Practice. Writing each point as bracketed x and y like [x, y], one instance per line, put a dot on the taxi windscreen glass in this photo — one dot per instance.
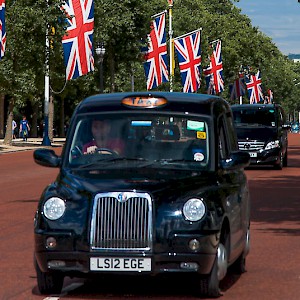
[135, 141]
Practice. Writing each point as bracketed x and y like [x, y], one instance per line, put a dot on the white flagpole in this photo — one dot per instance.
[46, 140]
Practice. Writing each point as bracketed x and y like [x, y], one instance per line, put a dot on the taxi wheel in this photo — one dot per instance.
[48, 283]
[209, 285]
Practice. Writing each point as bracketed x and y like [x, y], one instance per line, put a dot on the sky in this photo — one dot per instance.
[278, 19]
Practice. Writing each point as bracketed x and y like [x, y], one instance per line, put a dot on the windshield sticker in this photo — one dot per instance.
[198, 156]
[195, 125]
[273, 124]
[201, 135]
[271, 110]
[141, 123]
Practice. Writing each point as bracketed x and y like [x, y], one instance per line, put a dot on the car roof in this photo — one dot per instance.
[198, 103]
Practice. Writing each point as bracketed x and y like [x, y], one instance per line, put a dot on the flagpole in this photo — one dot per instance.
[46, 140]
[171, 50]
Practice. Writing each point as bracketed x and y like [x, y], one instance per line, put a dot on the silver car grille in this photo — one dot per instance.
[121, 221]
[251, 145]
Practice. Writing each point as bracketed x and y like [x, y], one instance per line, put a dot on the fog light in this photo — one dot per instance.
[51, 242]
[194, 244]
[189, 266]
[54, 264]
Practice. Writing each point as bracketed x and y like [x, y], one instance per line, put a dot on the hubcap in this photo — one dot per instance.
[222, 261]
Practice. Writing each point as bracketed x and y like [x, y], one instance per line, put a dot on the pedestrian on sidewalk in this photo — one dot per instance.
[24, 128]
[13, 128]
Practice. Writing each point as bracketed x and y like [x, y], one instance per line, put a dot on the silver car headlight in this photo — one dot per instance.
[194, 209]
[272, 145]
[54, 208]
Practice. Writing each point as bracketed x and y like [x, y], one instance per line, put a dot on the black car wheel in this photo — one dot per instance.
[285, 159]
[279, 166]
[48, 283]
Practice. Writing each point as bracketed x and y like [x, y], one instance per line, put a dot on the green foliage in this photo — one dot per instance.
[121, 25]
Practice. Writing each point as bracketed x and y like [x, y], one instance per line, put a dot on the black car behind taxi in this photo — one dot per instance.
[172, 198]
[262, 131]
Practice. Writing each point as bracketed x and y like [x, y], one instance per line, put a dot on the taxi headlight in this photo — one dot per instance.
[272, 145]
[194, 209]
[54, 208]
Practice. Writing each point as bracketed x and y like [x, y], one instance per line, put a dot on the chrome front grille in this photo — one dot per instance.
[122, 221]
[251, 145]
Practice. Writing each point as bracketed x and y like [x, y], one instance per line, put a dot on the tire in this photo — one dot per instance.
[285, 159]
[279, 165]
[48, 283]
[239, 266]
[209, 285]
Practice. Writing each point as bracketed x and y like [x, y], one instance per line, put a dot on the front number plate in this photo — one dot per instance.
[253, 154]
[120, 264]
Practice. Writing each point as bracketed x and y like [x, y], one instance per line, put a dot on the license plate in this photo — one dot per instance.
[138, 264]
[253, 154]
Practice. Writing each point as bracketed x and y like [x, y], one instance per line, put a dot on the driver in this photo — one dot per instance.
[102, 141]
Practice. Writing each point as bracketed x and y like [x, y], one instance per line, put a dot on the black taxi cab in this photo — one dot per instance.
[149, 183]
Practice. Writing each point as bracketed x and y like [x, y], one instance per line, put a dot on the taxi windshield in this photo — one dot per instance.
[137, 141]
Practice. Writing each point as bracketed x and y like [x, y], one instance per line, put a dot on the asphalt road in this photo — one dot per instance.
[272, 266]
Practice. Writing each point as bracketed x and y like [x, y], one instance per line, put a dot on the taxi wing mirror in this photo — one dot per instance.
[236, 160]
[46, 158]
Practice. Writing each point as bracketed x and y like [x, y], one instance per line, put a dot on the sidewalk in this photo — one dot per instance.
[31, 143]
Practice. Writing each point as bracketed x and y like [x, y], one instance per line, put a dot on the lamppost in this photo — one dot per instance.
[100, 51]
[46, 140]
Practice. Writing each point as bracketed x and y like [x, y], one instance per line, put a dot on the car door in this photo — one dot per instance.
[234, 184]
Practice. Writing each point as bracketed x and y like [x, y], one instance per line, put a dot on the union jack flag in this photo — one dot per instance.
[189, 56]
[78, 40]
[238, 88]
[155, 65]
[254, 88]
[214, 72]
[270, 96]
[2, 28]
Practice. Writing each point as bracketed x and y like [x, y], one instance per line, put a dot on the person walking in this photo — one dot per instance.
[24, 128]
[13, 129]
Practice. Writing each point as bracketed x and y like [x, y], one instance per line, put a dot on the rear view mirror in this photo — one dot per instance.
[167, 132]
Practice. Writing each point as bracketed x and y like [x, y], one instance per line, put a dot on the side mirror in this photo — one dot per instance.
[46, 158]
[236, 160]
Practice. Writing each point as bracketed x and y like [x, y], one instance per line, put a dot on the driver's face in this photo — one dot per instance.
[100, 128]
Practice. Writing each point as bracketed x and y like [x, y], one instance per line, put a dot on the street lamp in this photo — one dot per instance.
[100, 51]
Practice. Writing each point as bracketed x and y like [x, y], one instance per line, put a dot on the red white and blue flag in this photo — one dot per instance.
[270, 96]
[78, 40]
[188, 49]
[238, 88]
[253, 83]
[155, 65]
[2, 28]
[214, 72]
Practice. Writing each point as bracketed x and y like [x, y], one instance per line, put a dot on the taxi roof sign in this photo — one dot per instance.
[144, 101]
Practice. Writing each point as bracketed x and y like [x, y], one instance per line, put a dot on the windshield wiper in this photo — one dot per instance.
[109, 160]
